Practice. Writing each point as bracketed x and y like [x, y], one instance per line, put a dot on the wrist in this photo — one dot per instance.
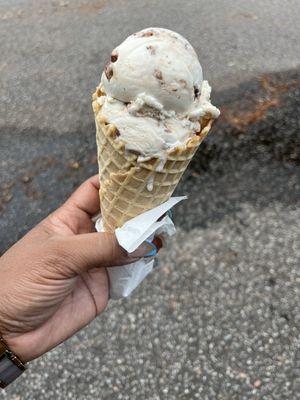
[14, 340]
[15, 346]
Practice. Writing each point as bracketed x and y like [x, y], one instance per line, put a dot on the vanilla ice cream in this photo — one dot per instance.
[153, 92]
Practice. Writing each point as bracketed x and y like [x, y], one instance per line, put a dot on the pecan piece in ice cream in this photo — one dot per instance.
[108, 71]
[113, 57]
[158, 74]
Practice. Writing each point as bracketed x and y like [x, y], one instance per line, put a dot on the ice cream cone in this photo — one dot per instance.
[129, 187]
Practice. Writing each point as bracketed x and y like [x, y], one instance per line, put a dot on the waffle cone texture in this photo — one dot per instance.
[124, 182]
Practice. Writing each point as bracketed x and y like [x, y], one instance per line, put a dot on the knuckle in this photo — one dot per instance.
[113, 250]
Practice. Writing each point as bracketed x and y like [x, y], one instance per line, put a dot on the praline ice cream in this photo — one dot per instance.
[153, 92]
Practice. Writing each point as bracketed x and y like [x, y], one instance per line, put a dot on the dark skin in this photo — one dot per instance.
[54, 280]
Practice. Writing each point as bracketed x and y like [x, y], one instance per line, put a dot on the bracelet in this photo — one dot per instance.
[11, 367]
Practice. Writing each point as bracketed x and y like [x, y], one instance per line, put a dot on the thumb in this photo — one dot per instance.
[91, 250]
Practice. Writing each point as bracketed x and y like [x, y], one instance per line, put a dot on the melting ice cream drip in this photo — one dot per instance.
[159, 168]
[150, 183]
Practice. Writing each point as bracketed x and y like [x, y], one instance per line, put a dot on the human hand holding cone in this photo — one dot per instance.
[137, 176]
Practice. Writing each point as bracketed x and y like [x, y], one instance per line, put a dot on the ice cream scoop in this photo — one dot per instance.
[153, 92]
[156, 63]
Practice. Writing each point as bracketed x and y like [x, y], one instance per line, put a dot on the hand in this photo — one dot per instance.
[52, 281]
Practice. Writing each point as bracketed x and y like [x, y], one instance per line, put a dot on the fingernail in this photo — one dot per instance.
[158, 242]
[146, 249]
[153, 251]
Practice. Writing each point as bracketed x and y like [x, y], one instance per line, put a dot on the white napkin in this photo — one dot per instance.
[123, 280]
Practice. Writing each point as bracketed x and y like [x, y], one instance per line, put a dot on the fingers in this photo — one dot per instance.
[86, 251]
[86, 197]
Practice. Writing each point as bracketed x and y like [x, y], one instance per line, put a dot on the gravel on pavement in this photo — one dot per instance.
[220, 317]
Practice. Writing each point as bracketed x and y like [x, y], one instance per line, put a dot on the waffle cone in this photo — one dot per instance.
[125, 183]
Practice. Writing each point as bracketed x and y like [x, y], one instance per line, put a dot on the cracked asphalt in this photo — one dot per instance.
[220, 318]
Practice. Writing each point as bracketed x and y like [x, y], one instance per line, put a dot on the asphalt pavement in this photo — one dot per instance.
[219, 319]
